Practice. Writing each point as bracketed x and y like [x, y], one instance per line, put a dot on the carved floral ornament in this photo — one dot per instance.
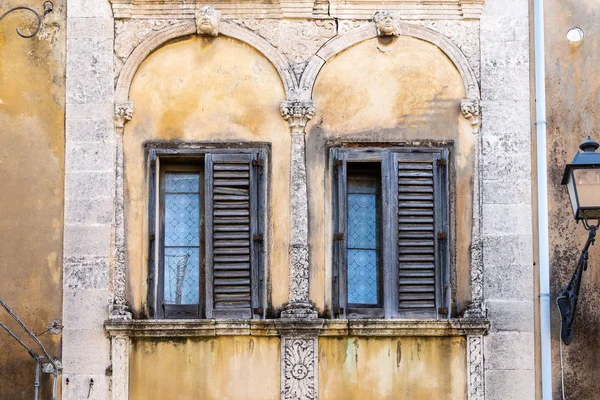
[471, 110]
[298, 375]
[123, 113]
[297, 113]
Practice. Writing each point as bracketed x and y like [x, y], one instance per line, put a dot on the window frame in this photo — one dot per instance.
[158, 158]
[389, 157]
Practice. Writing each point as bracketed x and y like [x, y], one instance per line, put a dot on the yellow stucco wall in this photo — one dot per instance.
[223, 368]
[31, 182]
[408, 368]
[406, 91]
[203, 89]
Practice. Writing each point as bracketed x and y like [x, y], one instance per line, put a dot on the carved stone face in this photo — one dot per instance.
[207, 21]
[387, 23]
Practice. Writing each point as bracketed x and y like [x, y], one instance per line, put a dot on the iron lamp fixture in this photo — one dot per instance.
[582, 178]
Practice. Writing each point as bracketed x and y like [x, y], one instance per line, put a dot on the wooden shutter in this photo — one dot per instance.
[152, 281]
[233, 235]
[340, 235]
[422, 232]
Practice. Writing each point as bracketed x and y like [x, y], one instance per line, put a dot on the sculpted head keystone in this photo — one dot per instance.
[207, 21]
[387, 22]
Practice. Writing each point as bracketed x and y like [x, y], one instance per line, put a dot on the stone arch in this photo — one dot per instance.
[470, 110]
[153, 42]
[348, 39]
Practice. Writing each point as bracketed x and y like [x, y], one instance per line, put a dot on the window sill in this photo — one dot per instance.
[278, 327]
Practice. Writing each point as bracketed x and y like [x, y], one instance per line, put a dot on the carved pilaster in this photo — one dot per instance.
[475, 371]
[476, 308]
[298, 113]
[471, 110]
[299, 374]
[119, 309]
[120, 348]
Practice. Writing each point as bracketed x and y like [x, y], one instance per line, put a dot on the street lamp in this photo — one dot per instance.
[582, 178]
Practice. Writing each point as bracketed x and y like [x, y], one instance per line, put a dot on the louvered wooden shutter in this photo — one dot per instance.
[422, 233]
[233, 233]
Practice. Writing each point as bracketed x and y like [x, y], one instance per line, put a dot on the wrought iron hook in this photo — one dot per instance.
[48, 7]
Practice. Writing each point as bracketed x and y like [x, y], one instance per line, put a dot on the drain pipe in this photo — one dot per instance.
[542, 196]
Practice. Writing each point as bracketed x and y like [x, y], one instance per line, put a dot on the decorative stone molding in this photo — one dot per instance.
[130, 33]
[119, 309]
[476, 308]
[299, 377]
[188, 27]
[298, 40]
[471, 110]
[410, 9]
[366, 32]
[207, 21]
[387, 23]
[464, 34]
[123, 114]
[282, 327]
[306, 9]
[298, 113]
[120, 349]
[475, 368]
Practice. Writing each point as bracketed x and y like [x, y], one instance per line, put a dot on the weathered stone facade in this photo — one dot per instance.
[297, 77]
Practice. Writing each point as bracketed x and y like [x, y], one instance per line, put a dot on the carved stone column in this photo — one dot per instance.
[298, 113]
[119, 309]
[475, 372]
[299, 367]
[120, 349]
[471, 110]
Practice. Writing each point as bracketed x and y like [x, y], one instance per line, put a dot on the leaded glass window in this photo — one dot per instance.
[206, 224]
[182, 238]
[391, 250]
[364, 219]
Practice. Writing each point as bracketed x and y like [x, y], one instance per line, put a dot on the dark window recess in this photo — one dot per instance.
[391, 255]
[208, 249]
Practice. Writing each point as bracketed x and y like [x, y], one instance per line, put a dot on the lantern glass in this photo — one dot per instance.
[588, 190]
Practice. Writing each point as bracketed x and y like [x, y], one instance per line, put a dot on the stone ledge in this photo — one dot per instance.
[345, 9]
[277, 327]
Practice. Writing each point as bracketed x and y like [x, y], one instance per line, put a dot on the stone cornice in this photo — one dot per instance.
[343, 9]
[278, 327]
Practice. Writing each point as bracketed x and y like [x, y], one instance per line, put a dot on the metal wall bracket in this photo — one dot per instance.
[48, 7]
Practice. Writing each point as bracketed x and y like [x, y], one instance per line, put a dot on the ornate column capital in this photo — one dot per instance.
[297, 113]
[123, 114]
[207, 21]
[471, 110]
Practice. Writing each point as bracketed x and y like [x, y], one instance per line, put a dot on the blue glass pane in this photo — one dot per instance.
[362, 221]
[182, 183]
[182, 219]
[362, 277]
[182, 266]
